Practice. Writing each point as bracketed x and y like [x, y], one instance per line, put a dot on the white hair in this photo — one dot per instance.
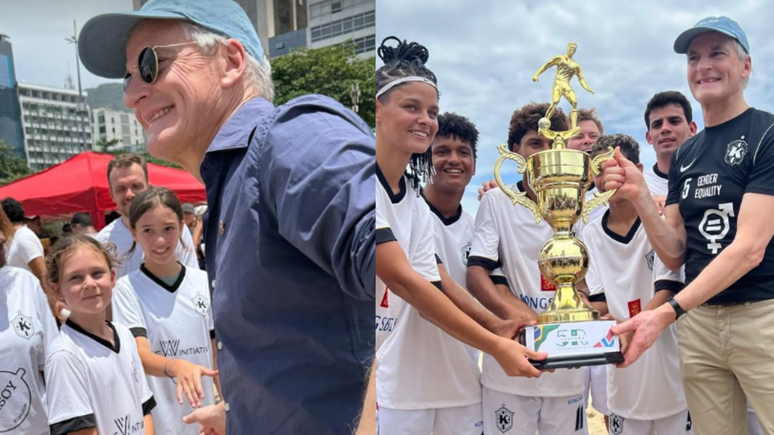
[743, 55]
[257, 74]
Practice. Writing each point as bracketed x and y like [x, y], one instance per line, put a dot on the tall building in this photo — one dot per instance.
[10, 112]
[122, 126]
[335, 21]
[56, 126]
[281, 24]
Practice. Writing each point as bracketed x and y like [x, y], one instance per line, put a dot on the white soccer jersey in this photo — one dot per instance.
[657, 181]
[121, 236]
[95, 384]
[177, 321]
[507, 236]
[421, 366]
[26, 330]
[629, 272]
[404, 218]
[24, 248]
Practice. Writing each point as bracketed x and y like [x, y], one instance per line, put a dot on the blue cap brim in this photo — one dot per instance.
[102, 41]
[684, 40]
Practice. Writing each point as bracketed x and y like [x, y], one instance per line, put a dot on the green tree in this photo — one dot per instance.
[12, 167]
[328, 71]
[104, 147]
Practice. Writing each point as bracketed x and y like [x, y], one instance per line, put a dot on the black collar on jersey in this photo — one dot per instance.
[393, 197]
[446, 221]
[659, 173]
[170, 288]
[617, 237]
[115, 348]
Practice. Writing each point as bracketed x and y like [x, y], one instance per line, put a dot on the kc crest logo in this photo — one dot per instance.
[466, 252]
[616, 424]
[504, 419]
[650, 257]
[200, 304]
[735, 152]
[715, 225]
[23, 326]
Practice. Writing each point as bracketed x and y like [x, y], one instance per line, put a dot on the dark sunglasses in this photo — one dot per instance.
[148, 64]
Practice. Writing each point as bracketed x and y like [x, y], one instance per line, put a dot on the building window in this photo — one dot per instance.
[343, 26]
[335, 7]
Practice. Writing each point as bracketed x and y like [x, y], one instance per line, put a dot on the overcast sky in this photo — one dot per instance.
[37, 31]
[485, 53]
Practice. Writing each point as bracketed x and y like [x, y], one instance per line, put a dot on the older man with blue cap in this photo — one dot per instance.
[718, 226]
[290, 233]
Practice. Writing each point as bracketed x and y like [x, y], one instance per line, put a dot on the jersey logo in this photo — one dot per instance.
[685, 168]
[634, 307]
[686, 187]
[650, 257]
[385, 302]
[466, 252]
[504, 419]
[546, 285]
[715, 225]
[23, 326]
[200, 304]
[15, 399]
[616, 424]
[127, 425]
[135, 373]
[689, 423]
[735, 152]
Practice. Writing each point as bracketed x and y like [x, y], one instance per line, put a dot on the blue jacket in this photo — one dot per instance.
[290, 254]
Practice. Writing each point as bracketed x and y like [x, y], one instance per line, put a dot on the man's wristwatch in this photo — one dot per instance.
[679, 311]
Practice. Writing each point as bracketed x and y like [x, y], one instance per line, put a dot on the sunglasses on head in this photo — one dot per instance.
[148, 64]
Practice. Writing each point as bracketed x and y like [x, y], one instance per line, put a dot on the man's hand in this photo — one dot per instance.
[512, 357]
[212, 419]
[622, 174]
[646, 328]
[486, 186]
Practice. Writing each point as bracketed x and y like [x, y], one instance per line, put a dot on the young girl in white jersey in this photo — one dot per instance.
[167, 307]
[406, 110]
[96, 383]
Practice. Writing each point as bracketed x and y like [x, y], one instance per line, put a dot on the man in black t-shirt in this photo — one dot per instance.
[719, 225]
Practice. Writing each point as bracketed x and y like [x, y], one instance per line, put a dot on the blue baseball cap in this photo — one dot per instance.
[102, 42]
[724, 25]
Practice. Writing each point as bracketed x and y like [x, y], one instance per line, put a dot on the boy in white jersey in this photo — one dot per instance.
[96, 383]
[669, 122]
[507, 236]
[128, 176]
[646, 398]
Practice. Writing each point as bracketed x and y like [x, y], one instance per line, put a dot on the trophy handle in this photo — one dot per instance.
[599, 198]
[516, 198]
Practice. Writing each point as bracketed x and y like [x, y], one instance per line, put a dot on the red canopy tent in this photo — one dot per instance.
[80, 184]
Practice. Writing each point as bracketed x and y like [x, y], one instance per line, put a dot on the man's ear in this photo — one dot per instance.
[232, 63]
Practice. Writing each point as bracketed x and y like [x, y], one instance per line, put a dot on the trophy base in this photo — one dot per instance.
[573, 344]
[566, 362]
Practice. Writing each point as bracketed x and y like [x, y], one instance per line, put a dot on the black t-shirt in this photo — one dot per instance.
[708, 177]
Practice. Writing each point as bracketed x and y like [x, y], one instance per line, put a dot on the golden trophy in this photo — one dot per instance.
[569, 329]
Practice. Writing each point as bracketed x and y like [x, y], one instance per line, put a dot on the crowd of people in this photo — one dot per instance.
[680, 259]
[311, 221]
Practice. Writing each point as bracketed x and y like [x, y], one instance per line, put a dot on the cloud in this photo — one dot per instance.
[485, 53]
[37, 31]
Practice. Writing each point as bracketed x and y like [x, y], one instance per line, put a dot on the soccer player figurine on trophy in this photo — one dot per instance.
[569, 330]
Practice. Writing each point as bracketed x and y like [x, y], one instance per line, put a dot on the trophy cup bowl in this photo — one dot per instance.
[569, 330]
